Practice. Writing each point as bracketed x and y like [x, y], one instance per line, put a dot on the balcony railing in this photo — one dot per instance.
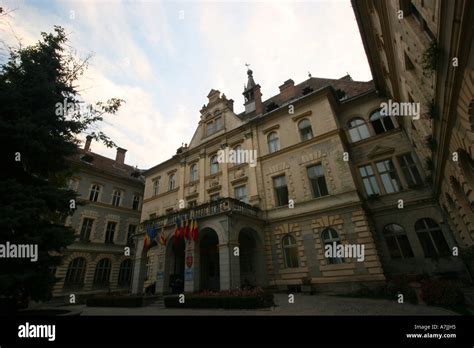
[222, 205]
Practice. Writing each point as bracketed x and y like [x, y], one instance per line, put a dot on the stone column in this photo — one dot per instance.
[181, 182]
[202, 169]
[161, 283]
[139, 266]
[225, 174]
[252, 171]
[229, 266]
[191, 274]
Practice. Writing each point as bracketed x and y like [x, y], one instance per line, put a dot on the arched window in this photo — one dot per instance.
[358, 129]
[75, 272]
[214, 165]
[273, 142]
[330, 241]
[397, 241]
[290, 251]
[102, 272]
[171, 182]
[306, 132]
[467, 166]
[193, 173]
[94, 194]
[125, 272]
[431, 238]
[239, 158]
[381, 123]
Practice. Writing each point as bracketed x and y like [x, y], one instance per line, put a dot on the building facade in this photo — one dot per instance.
[330, 172]
[422, 51]
[106, 218]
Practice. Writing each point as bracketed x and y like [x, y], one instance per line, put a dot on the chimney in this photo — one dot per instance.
[87, 145]
[258, 100]
[120, 157]
[287, 90]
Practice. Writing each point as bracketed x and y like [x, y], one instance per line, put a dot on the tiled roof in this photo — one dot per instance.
[107, 165]
[346, 84]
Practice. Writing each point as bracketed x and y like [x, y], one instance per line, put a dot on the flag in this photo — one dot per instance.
[163, 239]
[186, 229]
[195, 232]
[181, 230]
[150, 238]
[176, 231]
[191, 229]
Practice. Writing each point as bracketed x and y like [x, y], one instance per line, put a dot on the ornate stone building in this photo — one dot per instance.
[107, 216]
[422, 51]
[330, 171]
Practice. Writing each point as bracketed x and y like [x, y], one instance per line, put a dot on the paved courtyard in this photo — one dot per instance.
[303, 305]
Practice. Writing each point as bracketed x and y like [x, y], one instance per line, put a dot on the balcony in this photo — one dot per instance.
[220, 206]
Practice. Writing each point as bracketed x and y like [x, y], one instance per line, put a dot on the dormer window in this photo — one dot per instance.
[272, 106]
[307, 90]
[214, 126]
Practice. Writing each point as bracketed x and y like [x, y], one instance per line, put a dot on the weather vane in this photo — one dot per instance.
[247, 65]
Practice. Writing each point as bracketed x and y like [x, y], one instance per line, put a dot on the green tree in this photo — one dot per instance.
[38, 136]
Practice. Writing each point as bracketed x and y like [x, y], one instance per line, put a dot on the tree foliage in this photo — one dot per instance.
[41, 115]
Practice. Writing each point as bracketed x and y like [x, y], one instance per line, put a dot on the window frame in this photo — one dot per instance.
[214, 165]
[244, 187]
[326, 241]
[426, 229]
[307, 129]
[397, 236]
[193, 173]
[108, 231]
[278, 203]
[89, 228]
[273, 143]
[76, 273]
[408, 167]
[116, 197]
[171, 182]
[293, 256]
[357, 128]
[319, 181]
[369, 177]
[382, 122]
[381, 175]
[94, 193]
[102, 273]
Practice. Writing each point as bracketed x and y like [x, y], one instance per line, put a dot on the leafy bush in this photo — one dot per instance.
[400, 285]
[228, 299]
[115, 301]
[441, 292]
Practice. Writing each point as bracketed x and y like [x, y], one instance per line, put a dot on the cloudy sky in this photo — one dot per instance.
[163, 57]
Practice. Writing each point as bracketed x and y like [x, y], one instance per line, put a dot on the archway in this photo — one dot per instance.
[250, 259]
[209, 260]
[175, 265]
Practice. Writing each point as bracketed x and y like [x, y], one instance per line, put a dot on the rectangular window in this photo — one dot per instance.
[240, 193]
[281, 190]
[410, 171]
[110, 232]
[369, 180]
[214, 205]
[389, 176]
[210, 128]
[94, 194]
[131, 232]
[116, 197]
[318, 182]
[86, 229]
[136, 202]
[156, 186]
[217, 124]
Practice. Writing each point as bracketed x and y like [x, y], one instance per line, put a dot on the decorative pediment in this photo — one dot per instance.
[380, 150]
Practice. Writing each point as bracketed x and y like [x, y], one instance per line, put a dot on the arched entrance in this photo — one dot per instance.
[175, 265]
[251, 262]
[209, 260]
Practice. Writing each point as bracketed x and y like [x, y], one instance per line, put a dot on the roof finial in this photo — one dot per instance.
[309, 74]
